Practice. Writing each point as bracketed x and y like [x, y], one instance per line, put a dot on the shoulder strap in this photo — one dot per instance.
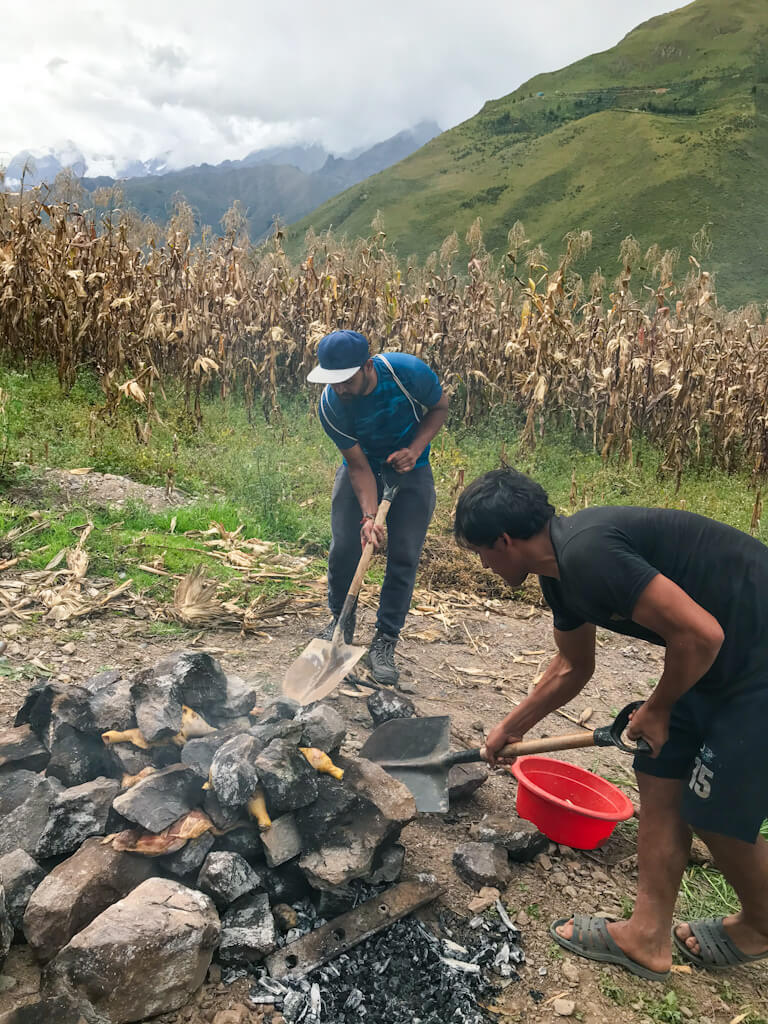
[402, 387]
[325, 412]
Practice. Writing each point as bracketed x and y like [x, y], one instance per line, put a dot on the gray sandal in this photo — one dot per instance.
[718, 952]
[592, 940]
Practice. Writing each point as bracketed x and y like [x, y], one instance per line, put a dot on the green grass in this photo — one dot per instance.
[705, 892]
[600, 150]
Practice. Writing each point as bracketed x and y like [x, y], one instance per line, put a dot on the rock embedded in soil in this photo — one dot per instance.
[77, 814]
[20, 875]
[227, 876]
[248, 932]
[25, 805]
[234, 775]
[287, 779]
[143, 956]
[464, 780]
[521, 839]
[385, 706]
[162, 798]
[282, 842]
[76, 891]
[323, 728]
[482, 864]
[485, 898]
[189, 859]
[564, 1007]
[21, 749]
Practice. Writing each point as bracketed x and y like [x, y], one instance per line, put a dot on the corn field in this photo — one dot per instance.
[645, 355]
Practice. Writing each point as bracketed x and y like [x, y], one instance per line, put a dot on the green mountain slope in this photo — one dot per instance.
[663, 133]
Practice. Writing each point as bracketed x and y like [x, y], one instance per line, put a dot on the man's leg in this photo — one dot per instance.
[745, 865]
[663, 845]
[345, 543]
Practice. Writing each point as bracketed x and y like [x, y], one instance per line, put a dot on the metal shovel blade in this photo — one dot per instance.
[415, 751]
[319, 670]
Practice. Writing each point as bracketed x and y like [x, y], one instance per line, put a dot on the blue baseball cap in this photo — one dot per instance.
[340, 355]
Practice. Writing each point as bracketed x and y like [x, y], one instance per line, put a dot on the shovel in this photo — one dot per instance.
[324, 663]
[416, 751]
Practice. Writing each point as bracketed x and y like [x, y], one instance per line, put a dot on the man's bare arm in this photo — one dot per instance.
[566, 675]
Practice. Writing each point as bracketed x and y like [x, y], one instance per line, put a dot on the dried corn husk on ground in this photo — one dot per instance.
[196, 604]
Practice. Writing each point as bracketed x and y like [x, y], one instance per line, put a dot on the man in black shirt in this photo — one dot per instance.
[700, 589]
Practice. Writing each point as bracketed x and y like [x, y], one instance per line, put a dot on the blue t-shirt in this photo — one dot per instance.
[386, 419]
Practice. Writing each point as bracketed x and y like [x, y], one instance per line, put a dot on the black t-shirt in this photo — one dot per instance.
[608, 556]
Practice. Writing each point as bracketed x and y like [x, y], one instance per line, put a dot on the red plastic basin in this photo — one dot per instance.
[568, 804]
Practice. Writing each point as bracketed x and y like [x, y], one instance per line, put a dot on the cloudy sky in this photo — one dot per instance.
[212, 80]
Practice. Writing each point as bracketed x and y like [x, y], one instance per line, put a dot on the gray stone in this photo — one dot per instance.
[286, 884]
[76, 891]
[239, 701]
[157, 705]
[248, 932]
[234, 772]
[49, 705]
[330, 903]
[189, 859]
[323, 728]
[387, 865]
[336, 804]
[521, 839]
[143, 956]
[6, 927]
[226, 877]
[246, 841]
[384, 705]
[25, 805]
[199, 752]
[464, 780]
[21, 749]
[110, 701]
[281, 729]
[162, 798]
[283, 708]
[76, 815]
[222, 817]
[20, 875]
[198, 678]
[282, 842]
[288, 780]
[480, 864]
[78, 757]
[56, 1010]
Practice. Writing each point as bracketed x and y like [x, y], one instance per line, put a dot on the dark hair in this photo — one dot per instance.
[502, 501]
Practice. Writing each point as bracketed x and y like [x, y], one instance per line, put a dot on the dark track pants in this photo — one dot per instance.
[407, 524]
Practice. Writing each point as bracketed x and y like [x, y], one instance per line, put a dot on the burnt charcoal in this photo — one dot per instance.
[282, 729]
[189, 859]
[227, 876]
[25, 804]
[78, 757]
[282, 842]
[199, 752]
[21, 749]
[384, 706]
[482, 864]
[20, 876]
[335, 805]
[234, 776]
[246, 841]
[110, 701]
[464, 780]
[277, 710]
[77, 814]
[288, 781]
[162, 798]
[323, 728]
[248, 932]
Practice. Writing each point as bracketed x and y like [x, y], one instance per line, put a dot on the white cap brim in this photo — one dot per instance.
[321, 376]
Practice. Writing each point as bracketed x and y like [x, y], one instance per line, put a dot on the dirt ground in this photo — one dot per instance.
[473, 666]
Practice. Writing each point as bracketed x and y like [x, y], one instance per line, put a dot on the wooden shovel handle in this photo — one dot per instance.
[548, 743]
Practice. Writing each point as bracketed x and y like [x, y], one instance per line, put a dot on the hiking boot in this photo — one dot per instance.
[381, 658]
[349, 629]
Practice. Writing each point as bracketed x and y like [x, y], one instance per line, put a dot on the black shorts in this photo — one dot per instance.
[720, 746]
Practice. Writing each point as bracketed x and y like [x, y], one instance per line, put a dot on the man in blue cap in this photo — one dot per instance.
[380, 411]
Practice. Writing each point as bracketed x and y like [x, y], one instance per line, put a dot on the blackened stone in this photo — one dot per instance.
[76, 815]
[49, 705]
[56, 1010]
[21, 749]
[277, 710]
[330, 903]
[240, 699]
[464, 780]
[25, 805]
[387, 865]
[162, 798]
[198, 678]
[157, 704]
[6, 928]
[521, 839]
[245, 841]
[199, 752]
[110, 701]
[288, 781]
[234, 776]
[282, 729]
[227, 876]
[78, 757]
[286, 884]
[282, 842]
[384, 706]
[480, 864]
[335, 805]
[131, 760]
[248, 932]
[323, 728]
[189, 859]
[222, 818]
[20, 875]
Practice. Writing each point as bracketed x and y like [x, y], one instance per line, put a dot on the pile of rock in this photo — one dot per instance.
[153, 821]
